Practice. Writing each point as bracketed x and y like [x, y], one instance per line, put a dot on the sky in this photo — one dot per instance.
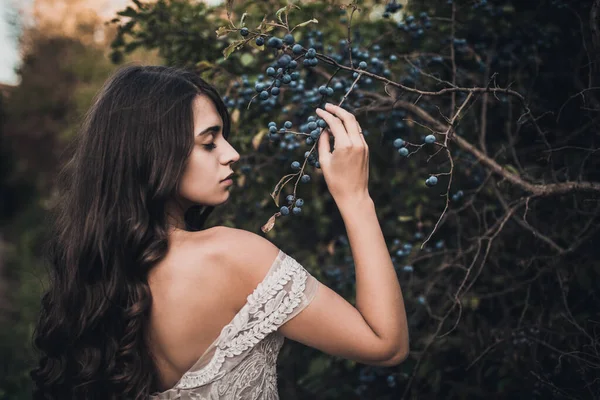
[9, 55]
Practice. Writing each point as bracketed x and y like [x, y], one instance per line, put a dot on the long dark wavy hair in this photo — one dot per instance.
[109, 228]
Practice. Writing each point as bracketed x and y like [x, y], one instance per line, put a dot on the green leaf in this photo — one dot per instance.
[233, 47]
[278, 13]
[310, 21]
[244, 15]
[222, 31]
[285, 9]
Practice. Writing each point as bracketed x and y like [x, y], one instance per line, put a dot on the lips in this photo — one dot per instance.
[230, 176]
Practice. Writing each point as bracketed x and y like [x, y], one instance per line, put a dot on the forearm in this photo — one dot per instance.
[378, 294]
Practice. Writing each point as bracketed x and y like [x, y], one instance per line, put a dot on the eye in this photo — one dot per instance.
[210, 146]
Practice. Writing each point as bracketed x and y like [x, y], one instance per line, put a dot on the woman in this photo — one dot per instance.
[145, 303]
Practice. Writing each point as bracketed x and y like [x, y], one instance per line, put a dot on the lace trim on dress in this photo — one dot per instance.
[265, 310]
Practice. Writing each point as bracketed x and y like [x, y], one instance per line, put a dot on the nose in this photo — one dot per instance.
[231, 156]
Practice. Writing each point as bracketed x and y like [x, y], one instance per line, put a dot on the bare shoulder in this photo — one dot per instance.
[247, 254]
[236, 256]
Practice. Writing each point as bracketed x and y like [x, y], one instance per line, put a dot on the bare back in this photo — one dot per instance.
[224, 299]
[193, 265]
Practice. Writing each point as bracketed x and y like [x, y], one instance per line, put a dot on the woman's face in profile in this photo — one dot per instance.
[210, 160]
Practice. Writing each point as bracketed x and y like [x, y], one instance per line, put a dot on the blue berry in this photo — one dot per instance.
[312, 125]
[408, 268]
[299, 203]
[362, 65]
[264, 95]
[305, 178]
[296, 210]
[311, 53]
[429, 139]
[260, 41]
[270, 124]
[297, 49]
[289, 39]
[431, 181]
[289, 198]
[321, 123]
[403, 151]
[274, 42]
[295, 165]
[271, 71]
[244, 31]
[273, 129]
[398, 143]
[284, 60]
[287, 124]
[284, 210]
[275, 91]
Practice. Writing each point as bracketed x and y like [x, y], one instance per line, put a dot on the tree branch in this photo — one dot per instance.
[550, 189]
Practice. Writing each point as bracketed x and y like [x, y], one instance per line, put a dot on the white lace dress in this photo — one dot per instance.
[241, 363]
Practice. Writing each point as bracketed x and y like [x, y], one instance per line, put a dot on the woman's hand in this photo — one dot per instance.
[346, 167]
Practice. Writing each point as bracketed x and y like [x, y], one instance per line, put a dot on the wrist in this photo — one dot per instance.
[355, 203]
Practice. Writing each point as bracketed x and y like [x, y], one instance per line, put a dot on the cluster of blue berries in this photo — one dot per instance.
[404, 250]
[400, 144]
[391, 8]
[415, 26]
[305, 95]
[296, 206]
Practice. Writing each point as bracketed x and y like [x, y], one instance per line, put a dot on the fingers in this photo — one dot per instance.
[336, 128]
[362, 137]
[324, 147]
[349, 121]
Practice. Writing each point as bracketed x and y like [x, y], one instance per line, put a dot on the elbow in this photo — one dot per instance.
[398, 358]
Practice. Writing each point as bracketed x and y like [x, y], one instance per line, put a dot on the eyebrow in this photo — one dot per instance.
[211, 129]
